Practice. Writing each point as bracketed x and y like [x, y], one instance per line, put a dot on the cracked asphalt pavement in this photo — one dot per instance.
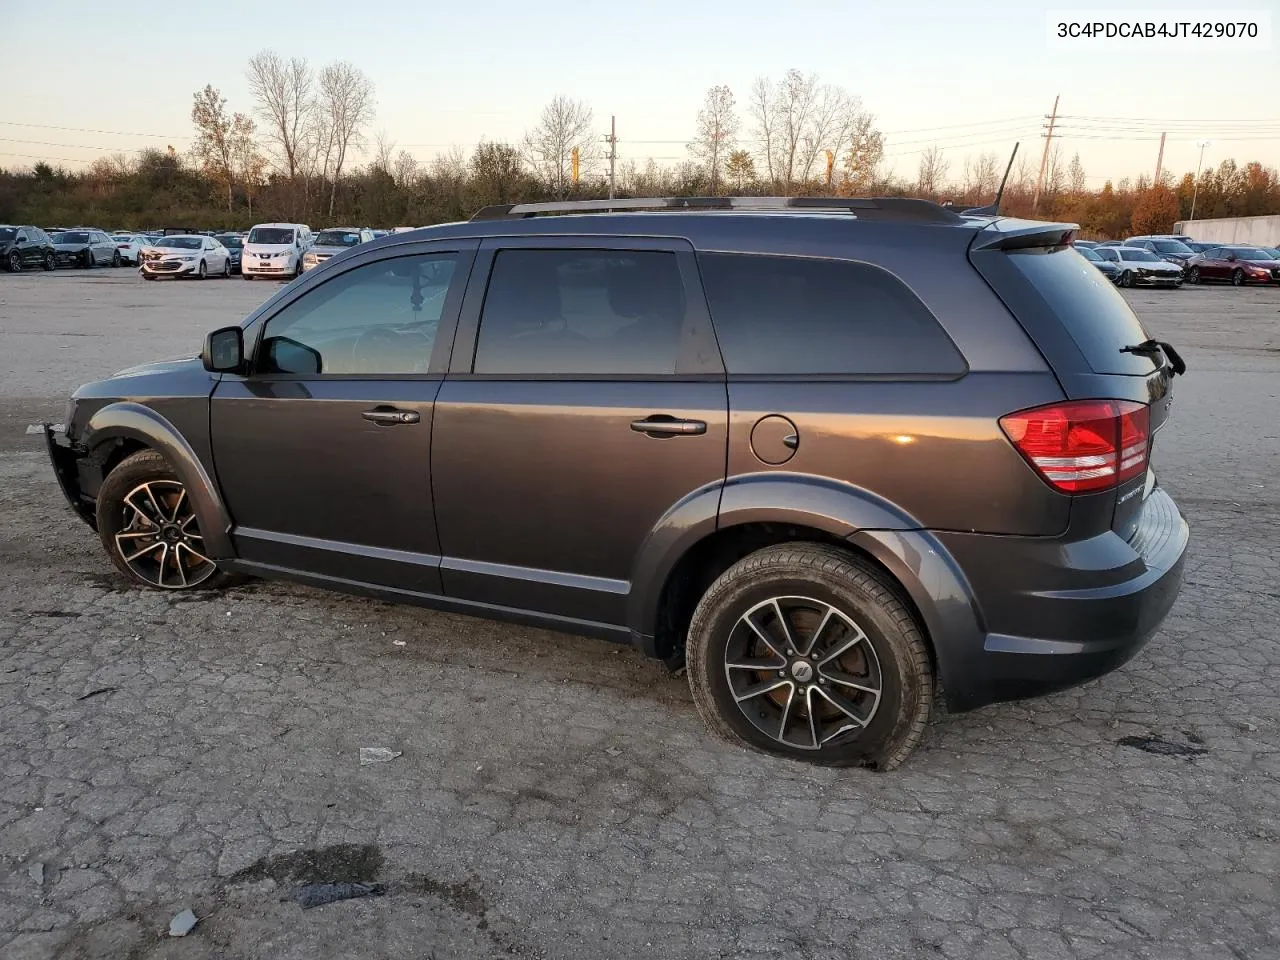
[557, 797]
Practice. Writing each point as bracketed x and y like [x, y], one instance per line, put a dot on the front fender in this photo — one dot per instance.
[133, 421]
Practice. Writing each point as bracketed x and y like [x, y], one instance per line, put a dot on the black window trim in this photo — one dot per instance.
[846, 377]
[256, 322]
[699, 360]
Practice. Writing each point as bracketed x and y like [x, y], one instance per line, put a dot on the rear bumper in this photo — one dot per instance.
[1016, 617]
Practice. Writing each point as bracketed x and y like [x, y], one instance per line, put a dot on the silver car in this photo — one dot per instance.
[1141, 268]
[331, 242]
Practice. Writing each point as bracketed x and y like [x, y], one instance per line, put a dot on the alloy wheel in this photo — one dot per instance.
[1193, 276]
[15, 263]
[802, 672]
[1237, 278]
[159, 540]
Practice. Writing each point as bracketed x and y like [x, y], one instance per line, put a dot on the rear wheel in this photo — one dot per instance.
[1237, 278]
[1193, 275]
[801, 650]
[148, 526]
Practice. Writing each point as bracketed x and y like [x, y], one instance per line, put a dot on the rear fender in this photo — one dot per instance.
[133, 421]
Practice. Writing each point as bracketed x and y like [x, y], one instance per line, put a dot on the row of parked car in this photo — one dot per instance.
[1173, 259]
[268, 249]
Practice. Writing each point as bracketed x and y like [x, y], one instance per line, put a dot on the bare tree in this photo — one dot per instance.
[1076, 180]
[247, 161]
[405, 170]
[931, 172]
[384, 151]
[565, 124]
[717, 128]
[797, 119]
[284, 94]
[345, 108]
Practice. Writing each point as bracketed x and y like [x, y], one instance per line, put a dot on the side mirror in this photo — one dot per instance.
[20, 241]
[1231, 257]
[224, 351]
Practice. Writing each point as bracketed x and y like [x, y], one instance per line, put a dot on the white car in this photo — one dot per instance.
[130, 246]
[275, 250]
[186, 255]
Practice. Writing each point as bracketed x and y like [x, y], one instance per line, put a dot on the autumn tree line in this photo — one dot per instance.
[293, 156]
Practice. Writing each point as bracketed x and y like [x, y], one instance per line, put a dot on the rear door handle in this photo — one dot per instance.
[390, 416]
[664, 426]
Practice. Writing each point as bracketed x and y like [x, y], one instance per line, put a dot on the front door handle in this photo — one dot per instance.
[665, 426]
[390, 415]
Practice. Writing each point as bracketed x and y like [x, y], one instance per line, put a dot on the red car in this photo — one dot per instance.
[1239, 265]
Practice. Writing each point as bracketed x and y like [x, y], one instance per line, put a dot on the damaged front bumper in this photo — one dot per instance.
[68, 462]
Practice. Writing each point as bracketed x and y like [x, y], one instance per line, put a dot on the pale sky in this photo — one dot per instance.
[966, 76]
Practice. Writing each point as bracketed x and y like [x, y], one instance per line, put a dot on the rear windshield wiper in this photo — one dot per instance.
[1153, 348]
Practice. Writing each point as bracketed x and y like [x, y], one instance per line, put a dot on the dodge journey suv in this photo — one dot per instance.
[835, 457]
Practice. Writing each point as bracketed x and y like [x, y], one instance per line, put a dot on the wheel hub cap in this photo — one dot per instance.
[802, 671]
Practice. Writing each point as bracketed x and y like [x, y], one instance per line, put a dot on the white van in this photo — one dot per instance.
[275, 250]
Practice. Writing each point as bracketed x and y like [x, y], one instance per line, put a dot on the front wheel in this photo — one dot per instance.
[1237, 278]
[88, 260]
[1193, 275]
[226, 269]
[15, 263]
[803, 651]
[50, 263]
[202, 272]
[115, 258]
[148, 526]
[1126, 279]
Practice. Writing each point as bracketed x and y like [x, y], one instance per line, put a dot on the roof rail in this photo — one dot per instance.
[902, 209]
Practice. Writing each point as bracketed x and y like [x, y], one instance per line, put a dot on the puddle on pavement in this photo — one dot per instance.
[1161, 747]
[340, 863]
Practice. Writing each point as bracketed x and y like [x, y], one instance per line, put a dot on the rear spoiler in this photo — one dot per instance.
[1026, 235]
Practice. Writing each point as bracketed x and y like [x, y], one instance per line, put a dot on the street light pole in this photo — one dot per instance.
[1195, 190]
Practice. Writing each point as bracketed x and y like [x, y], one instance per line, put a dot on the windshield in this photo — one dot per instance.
[230, 241]
[337, 238]
[75, 237]
[1133, 253]
[179, 243]
[1171, 246]
[7, 234]
[1088, 254]
[271, 235]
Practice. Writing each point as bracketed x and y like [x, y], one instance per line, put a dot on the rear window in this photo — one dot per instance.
[1088, 306]
[795, 315]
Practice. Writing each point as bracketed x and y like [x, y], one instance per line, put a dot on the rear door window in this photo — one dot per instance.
[806, 316]
[1093, 312]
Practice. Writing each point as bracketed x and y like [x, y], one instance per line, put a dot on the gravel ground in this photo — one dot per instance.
[557, 797]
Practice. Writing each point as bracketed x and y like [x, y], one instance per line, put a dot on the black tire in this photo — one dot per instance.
[1126, 279]
[88, 260]
[14, 264]
[145, 466]
[226, 269]
[1237, 277]
[148, 276]
[202, 272]
[1193, 275]
[115, 258]
[246, 276]
[50, 262]
[855, 590]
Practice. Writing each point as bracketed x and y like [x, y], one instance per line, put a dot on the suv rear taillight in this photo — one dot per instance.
[1082, 446]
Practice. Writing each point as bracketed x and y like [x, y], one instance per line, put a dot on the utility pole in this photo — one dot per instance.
[612, 141]
[1044, 157]
[1159, 162]
[1195, 191]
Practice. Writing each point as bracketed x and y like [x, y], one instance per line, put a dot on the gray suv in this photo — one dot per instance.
[833, 456]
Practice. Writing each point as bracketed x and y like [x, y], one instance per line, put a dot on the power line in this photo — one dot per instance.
[113, 133]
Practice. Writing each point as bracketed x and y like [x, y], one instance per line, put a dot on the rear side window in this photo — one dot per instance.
[1093, 312]
[581, 312]
[795, 315]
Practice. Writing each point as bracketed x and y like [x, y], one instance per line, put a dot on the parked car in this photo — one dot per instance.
[234, 243]
[1166, 248]
[275, 250]
[675, 431]
[1238, 265]
[1104, 266]
[1141, 268]
[1084, 243]
[190, 256]
[1272, 252]
[25, 247]
[85, 248]
[130, 247]
[333, 241]
[1110, 243]
[1200, 246]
